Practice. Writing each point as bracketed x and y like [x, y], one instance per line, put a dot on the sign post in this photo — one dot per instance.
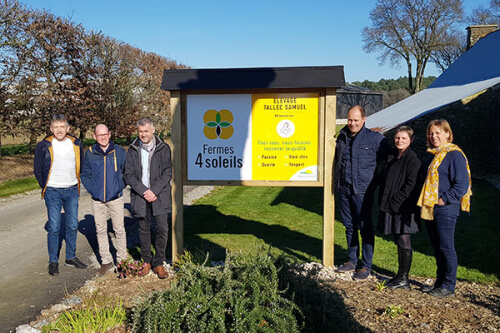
[254, 127]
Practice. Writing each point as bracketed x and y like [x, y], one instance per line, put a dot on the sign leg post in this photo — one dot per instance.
[177, 182]
[328, 198]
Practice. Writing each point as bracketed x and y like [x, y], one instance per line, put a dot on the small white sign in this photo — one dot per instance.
[218, 146]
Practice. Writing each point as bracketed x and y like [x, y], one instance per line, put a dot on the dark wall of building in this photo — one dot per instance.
[476, 130]
[370, 102]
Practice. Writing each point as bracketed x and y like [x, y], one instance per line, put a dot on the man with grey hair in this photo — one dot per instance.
[57, 169]
[148, 170]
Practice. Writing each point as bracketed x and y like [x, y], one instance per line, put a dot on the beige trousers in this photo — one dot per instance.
[102, 211]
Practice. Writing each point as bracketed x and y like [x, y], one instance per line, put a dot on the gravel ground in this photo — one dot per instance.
[475, 308]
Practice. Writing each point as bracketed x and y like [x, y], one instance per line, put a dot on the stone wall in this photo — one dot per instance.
[475, 32]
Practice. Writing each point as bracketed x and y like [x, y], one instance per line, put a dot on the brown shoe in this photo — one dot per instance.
[104, 268]
[146, 269]
[160, 271]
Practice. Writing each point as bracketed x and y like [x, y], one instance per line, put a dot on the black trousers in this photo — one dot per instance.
[161, 237]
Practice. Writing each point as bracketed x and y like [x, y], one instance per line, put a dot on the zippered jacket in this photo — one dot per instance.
[368, 153]
[102, 173]
[399, 188]
[44, 156]
[160, 175]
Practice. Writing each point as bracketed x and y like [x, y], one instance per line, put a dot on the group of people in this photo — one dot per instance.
[105, 169]
[434, 190]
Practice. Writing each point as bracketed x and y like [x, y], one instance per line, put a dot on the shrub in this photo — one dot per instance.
[9, 150]
[97, 314]
[241, 296]
[394, 310]
[381, 286]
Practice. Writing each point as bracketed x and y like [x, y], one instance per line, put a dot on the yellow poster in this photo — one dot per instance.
[285, 136]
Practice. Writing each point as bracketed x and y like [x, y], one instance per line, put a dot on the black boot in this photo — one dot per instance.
[401, 279]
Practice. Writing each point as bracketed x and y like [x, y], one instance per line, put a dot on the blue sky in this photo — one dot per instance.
[234, 34]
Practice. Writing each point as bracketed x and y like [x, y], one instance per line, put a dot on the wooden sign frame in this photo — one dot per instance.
[321, 80]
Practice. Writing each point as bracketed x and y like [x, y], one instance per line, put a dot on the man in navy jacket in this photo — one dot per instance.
[102, 176]
[57, 169]
[359, 151]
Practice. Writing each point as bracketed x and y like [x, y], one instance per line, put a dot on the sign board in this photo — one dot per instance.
[244, 137]
[255, 127]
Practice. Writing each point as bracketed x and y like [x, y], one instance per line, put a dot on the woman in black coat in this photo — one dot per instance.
[397, 198]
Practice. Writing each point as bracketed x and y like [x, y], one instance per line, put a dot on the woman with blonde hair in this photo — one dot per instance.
[446, 191]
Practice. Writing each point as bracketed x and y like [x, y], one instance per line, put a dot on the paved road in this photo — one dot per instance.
[25, 285]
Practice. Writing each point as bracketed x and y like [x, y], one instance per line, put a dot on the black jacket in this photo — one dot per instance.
[160, 176]
[398, 189]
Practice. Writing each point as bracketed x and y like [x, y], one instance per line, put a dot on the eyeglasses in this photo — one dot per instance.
[102, 135]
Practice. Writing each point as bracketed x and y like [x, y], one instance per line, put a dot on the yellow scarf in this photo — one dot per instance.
[429, 195]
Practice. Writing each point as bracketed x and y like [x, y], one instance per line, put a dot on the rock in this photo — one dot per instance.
[55, 309]
[73, 300]
[41, 323]
[27, 329]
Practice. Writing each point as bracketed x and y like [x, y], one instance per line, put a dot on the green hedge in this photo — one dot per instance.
[9, 150]
[241, 296]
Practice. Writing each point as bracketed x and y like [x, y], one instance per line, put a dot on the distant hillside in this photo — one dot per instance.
[392, 84]
[393, 90]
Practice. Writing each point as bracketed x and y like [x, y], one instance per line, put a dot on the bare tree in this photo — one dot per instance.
[481, 15]
[81, 84]
[13, 16]
[495, 9]
[155, 101]
[410, 30]
[444, 56]
[393, 96]
[51, 65]
[485, 15]
[49, 71]
[118, 103]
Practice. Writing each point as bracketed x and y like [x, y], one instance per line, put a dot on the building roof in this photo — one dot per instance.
[472, 73]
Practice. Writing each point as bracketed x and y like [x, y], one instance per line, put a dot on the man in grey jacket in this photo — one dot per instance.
[148, 170]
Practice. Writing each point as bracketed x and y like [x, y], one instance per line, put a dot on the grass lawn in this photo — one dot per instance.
[12, 187]
[289, 220]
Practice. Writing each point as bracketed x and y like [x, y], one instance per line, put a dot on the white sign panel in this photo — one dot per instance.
[218, 146]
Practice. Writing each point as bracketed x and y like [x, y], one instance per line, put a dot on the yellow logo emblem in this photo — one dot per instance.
[218, 124]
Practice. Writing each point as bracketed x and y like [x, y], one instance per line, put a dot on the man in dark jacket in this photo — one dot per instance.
[358, 153]
[148, 170]
[57, 169]
[102, 176]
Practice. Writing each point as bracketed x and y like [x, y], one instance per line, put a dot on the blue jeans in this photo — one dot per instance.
[356, 213]
[55, 200]
[442, 236]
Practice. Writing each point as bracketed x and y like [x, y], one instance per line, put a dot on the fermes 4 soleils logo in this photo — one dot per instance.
[218, 124]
